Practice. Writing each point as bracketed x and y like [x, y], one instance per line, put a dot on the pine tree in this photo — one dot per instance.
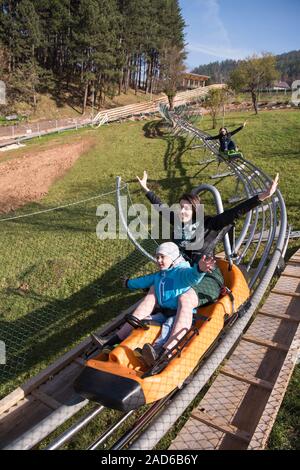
[100, 47]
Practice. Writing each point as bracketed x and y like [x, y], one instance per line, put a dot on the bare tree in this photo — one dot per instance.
[253, 74]
[215, 102]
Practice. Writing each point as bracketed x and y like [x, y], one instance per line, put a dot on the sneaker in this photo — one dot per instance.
[150, 355]
[158, 368]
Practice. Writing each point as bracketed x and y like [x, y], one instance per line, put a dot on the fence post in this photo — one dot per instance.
[2, 352]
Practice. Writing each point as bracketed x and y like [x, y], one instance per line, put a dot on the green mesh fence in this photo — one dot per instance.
[58, 282]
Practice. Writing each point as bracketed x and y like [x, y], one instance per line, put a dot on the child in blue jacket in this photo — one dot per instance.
[162, 303]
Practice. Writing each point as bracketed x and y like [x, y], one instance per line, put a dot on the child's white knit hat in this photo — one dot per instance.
[170, 249]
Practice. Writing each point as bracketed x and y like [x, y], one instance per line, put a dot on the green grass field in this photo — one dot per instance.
[59, 282]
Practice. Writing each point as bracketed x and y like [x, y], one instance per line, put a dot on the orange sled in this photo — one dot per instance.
[121, 381]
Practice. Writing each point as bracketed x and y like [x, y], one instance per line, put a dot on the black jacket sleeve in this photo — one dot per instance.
[236, 130]
[229, 216]
[153, 198]
[165, 211]
[212, 137]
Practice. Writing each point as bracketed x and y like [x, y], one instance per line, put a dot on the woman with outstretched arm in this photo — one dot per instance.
[224, 137]
[215, 228]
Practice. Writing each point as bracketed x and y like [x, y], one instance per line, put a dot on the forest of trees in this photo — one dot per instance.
[97, 48]
[288, 66]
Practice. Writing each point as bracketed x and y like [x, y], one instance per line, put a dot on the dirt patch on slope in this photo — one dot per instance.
[28, 178]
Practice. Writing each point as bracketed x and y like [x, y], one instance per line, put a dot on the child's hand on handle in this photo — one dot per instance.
[244, 124]
[206, 265]
[143, 181]
[270, 190]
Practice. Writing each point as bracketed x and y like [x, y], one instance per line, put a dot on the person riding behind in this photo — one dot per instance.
[215, 228]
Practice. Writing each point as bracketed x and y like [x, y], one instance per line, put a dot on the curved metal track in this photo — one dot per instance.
[267, 222]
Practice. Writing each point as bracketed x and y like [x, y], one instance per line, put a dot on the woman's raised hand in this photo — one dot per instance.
[206, 265]
[143, 181]
[270, 190]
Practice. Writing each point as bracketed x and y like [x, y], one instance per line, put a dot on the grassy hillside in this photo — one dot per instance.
[65, 105]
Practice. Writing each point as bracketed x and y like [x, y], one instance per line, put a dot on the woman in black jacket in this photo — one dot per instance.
[224, 137]
[215, 228]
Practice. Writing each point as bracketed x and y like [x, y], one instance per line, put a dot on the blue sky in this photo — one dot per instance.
[235, 29]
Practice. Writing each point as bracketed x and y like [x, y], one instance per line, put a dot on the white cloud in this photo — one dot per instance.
[214, 24]
[219, 51]
[212, 30]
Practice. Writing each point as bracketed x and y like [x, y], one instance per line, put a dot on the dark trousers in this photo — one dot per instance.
[228, 145]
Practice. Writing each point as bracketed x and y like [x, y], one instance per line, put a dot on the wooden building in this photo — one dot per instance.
[193, 80]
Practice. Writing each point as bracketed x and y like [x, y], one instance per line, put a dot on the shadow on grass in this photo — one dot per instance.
[176, 148]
